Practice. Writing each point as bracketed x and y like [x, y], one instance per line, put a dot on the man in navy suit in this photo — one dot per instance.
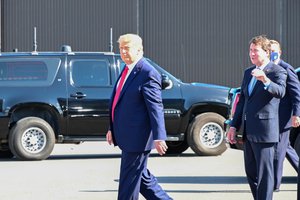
[137, 121]
[257, 116]
[289, 112]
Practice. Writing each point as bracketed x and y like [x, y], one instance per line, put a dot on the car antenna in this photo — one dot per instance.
[34, 40]
[111, 40]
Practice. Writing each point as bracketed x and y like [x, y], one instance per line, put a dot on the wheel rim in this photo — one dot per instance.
[211, 135]
[34, 140]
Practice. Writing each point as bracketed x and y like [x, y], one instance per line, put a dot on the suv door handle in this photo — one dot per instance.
[78, 95]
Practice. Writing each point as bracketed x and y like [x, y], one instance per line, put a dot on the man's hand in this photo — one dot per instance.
[231, 135]
[161, 146]
[295, 121]
[260, 75]
[109, 138]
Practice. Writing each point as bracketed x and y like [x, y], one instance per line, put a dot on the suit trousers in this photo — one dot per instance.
[258, 160]
[298, 185]
[283, 149]
[135, 178]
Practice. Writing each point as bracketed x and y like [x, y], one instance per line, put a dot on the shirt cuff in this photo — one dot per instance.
[267, 84]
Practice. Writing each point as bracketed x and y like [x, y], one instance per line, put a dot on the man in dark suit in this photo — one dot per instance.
[289, 112]
[137, 121]
[257, 116]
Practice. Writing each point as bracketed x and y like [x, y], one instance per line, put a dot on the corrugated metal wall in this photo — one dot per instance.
[291, 43]
[206, 41]
[196, 40]
[84, 24]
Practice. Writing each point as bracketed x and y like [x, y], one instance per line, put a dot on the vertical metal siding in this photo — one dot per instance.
[206, 41]
[84, 24]
[291, 47]
[196, 40]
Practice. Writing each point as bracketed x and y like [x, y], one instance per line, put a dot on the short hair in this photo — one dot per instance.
[131, 38]
[263, 41]
[276, 43]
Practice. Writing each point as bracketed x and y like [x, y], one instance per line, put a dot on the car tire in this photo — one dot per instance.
[31, 138]
[176, 147]
[206, 135]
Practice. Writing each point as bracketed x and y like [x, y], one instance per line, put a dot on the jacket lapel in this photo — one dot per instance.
[135, 71]
[267, 69]
[255, 87]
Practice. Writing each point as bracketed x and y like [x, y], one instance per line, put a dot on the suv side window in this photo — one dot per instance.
[90, 73]
[28, 72]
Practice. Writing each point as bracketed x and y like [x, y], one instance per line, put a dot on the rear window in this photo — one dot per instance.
[28, 72]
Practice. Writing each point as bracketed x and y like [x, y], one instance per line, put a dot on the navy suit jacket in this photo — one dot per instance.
[290, 104]
[139, 116]
[260, 109]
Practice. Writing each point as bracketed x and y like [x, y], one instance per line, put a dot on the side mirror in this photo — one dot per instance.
[166, 82]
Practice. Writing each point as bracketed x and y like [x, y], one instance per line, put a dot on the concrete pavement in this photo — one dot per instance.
[90, 171]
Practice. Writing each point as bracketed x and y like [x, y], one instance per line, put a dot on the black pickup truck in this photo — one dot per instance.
[62, 97]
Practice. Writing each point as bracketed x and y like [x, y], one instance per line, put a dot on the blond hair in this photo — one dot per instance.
[133, 39]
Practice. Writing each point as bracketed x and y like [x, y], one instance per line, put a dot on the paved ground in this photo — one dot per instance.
[90, 171]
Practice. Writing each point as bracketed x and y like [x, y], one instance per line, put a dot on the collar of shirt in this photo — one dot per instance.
[131, 66]
[262, 67]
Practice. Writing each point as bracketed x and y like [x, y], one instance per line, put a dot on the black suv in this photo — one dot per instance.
[62, 97]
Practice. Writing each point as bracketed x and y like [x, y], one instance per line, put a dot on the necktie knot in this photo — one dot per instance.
[125, 70]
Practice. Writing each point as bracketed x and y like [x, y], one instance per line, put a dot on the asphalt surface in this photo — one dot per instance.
[90, 171]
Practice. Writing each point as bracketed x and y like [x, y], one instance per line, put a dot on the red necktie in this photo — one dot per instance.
[118, 91]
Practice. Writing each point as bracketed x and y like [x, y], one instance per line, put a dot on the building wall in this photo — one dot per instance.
[291, 26]
[196, 40]
[83, 24]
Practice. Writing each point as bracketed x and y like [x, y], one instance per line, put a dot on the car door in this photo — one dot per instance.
[90, 84]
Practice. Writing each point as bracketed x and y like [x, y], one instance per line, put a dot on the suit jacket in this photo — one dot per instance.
[259, 111]
[139, 117]
[290, 104]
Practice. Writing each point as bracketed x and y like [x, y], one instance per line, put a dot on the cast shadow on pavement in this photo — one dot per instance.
[108, 156]
[98, 156]
[84, 156]
[200, 180]
[180, 191]
[215, 180]
[212, 180]
[206, 180]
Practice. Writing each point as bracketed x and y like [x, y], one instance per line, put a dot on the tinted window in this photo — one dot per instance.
[28, 72]
[90, 73]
